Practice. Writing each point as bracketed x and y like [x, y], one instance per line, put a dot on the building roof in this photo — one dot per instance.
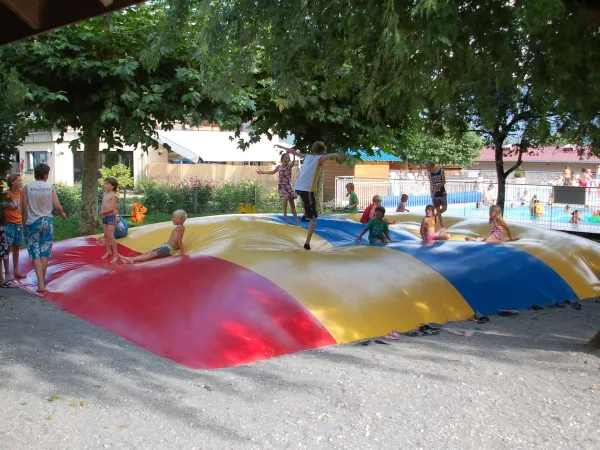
[216, 146]
[554, 154]
[378, 156]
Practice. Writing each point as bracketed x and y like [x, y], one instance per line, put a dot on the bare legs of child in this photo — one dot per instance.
[111, 242]
[141, 258]
[287, 199]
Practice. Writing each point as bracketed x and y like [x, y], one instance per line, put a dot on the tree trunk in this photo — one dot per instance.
[89, 191]
[319, 193]
[500, 172]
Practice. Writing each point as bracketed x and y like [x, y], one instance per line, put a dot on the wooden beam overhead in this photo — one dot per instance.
[27, 10]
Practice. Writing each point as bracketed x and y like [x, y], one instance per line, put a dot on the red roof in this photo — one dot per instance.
[554, 154]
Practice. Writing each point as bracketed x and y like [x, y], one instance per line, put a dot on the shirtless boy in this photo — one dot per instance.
[174, 243]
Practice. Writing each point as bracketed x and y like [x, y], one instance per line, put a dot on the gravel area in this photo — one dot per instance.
[518, 382]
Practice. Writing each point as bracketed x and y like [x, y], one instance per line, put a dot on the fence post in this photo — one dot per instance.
[195, 207]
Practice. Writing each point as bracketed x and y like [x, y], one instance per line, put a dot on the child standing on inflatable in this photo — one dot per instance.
[497, 227]
[379, 232]
[284, 184]
[108, 211]
[306, 184]
[437, 178]
[428, 231]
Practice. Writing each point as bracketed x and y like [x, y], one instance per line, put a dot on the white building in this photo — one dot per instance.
[205, 144]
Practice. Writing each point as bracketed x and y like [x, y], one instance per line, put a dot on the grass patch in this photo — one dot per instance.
[54, 398]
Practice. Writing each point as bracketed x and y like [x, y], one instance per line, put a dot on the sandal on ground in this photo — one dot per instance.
[577, 306]
[465, 333]
[413, 333]
[537, 307]
[508, 312]
[8, 284]
[393, 336]
[557, 305]
[480, 318]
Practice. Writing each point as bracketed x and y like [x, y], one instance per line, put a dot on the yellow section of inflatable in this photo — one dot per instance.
[354, 291]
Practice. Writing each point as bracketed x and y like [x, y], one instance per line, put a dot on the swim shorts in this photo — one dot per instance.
[310, 205]
[14, 234]
[164, 250]
[109, 219]
[39, 238]
[440, 202]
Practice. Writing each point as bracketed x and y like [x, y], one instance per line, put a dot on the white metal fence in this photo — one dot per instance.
[472, 199]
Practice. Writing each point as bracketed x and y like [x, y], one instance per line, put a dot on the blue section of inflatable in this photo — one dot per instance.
[391, 201]
[488, 276]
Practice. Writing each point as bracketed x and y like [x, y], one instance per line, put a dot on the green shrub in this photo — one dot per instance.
[70, 198]
[120, 172]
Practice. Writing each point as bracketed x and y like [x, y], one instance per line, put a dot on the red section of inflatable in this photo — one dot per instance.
[197, 310]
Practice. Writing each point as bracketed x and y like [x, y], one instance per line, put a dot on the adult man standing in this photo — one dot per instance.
[39, 197]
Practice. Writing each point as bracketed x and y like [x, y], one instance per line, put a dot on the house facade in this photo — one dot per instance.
[552, 160]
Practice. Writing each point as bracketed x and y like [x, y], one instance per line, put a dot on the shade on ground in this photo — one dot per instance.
[248, 291]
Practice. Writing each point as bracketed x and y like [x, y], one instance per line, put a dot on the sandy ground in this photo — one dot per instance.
[518, 382]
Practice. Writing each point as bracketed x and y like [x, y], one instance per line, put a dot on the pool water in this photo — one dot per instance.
[554, 214]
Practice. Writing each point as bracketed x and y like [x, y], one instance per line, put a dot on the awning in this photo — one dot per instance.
[216, 146]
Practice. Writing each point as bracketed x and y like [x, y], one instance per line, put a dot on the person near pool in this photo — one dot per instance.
[352, 198]
[39, 198]
[437, 179]
[497, 227]
[379, 232]
[306, 184]
[428, 231]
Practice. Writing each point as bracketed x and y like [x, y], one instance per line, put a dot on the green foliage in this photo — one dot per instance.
[14, 121]
[196, 196]
[70, 198]
[421, 147]
[120, 172]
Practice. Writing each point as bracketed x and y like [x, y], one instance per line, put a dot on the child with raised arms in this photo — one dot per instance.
[284, 185]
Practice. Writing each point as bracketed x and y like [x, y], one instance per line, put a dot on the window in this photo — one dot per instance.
[32, 159]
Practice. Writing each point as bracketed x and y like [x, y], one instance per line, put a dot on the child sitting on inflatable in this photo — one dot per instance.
[402, 205]
[428, 231]
[377, 227]
[497, 225]
[369, 212]
[174, 243]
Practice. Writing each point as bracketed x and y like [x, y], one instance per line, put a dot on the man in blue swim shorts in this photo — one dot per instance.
[39, 197]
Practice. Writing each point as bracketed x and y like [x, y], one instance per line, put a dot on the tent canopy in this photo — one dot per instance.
[216, 146]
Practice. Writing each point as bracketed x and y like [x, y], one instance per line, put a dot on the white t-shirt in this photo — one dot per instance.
[309, 175]
[39, 201]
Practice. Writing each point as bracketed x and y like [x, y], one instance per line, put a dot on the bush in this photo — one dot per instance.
[70, 198]
[198, 196]
[120, 172]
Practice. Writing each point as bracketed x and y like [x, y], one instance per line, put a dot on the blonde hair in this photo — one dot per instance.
[181, 214]
[498, 211]
[377, 198]
[350, 185]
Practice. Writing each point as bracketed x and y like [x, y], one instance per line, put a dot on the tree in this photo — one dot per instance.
[106, 79]
[14, 120]
[420, 147]
[520, 70]
[500, 69]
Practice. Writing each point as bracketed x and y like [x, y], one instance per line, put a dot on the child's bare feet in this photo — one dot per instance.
[41, 288]
[114, 259]
[106, 255]
[286, 218]
[19, 275]
[297, 223]
[126, 260]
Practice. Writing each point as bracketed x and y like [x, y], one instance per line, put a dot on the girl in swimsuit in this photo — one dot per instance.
[284, 185]
[497, 227]
[428, 231]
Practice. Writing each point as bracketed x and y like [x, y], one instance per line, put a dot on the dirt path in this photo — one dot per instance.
[519, 382]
